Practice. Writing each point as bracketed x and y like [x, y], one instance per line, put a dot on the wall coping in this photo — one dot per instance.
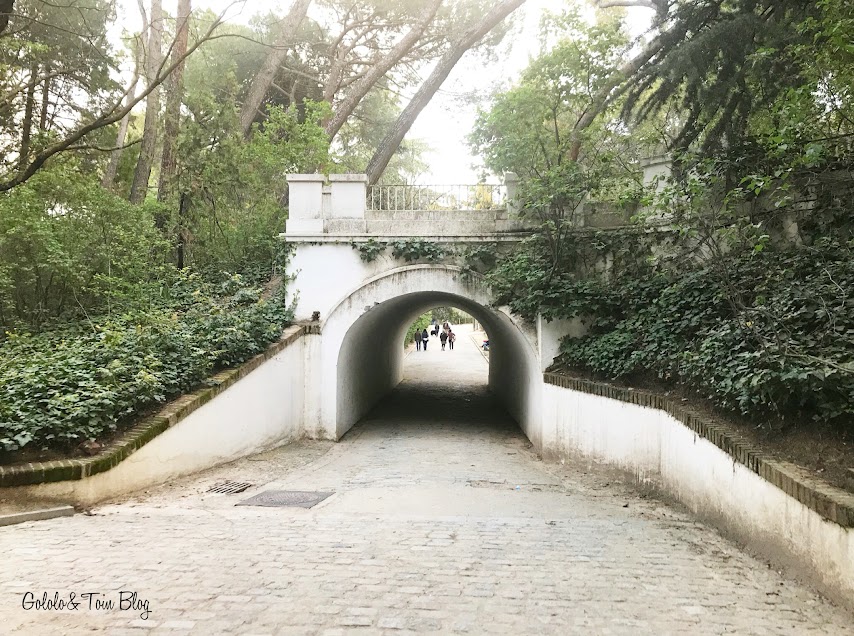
[832, 503]
[26, 474]
[315, 177]
[349, 178]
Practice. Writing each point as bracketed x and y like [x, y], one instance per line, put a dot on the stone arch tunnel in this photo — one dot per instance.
[365, 303]
[361, 344]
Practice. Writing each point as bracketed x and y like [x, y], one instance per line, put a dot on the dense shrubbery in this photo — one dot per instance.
[61, 387]
[422, 323]
[773, 331]
[68, 247]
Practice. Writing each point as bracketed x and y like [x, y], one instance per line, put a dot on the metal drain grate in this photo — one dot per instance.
[229, 487]
[286, 498]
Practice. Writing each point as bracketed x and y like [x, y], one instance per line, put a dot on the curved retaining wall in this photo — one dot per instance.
[220, 423]
[772, 506]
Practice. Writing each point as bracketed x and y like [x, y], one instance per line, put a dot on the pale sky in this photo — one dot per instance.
[448, 119]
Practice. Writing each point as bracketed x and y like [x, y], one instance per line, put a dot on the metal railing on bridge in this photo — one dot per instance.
[481, 196]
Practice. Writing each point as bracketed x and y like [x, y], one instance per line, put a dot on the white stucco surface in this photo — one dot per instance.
[658, 449]
[361, 348]
[365, 307]
[260, 411]
[549, 333]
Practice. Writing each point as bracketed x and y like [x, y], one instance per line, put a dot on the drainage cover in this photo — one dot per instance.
[229, 487]
[286, 498]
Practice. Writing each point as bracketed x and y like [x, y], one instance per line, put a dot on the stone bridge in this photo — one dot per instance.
[352, 275]
[368, 261]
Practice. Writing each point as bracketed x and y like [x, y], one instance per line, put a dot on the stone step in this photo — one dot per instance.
[11, 514]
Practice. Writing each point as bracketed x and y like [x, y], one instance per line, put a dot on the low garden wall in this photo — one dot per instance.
[771, 506]
[219, 423]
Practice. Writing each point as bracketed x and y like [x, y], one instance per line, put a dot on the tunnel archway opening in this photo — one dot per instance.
[433, 321]
[371, 326]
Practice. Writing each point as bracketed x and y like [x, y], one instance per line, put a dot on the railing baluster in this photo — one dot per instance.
[394, 198]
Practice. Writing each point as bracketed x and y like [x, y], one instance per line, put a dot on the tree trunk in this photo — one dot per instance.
[27, 124]
[115, 156]
[615, 87]
[45, 104]
[154, 59]
[175, 94]
[181, 234]
[389, 145]
[264, 79]
[113, 166]
[379, 69]
[6, 8]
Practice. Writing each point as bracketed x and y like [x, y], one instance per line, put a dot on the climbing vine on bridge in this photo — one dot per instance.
[418, 250]
[409, 250]
[370, 250]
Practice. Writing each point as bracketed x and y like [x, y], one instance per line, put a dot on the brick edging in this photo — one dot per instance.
[148, 428]
[832, 503]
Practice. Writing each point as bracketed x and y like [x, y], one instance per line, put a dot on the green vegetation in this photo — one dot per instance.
[416, 249]
[423, 322]
[85, 380]
[121, 231]
[449, 314]
[737, 279]
[770, 334]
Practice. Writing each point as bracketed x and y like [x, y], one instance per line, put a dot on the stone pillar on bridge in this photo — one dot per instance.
[305, 203]
[656, 169]
[511, 182]
[316, 207]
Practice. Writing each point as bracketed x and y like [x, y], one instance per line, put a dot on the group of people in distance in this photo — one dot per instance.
[446, 337]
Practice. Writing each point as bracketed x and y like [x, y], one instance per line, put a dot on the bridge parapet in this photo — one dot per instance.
[342, 207]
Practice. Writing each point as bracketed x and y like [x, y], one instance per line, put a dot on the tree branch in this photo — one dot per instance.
[391, 142]
[379, 68]
[108, 117]
[267, 73]
[646, 4]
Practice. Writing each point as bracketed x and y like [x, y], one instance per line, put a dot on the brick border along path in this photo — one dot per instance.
[427, 533]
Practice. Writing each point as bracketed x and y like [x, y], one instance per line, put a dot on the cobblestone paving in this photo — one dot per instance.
[443, 522]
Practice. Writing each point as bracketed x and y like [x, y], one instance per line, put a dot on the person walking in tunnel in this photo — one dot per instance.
[425, 338]
[443, 337]
[451, 337]
[418, 339]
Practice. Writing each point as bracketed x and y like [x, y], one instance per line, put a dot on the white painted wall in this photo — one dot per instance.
[326, 273]
[347, 196]
[658, 449]
[361, 356]
[260, 411]
[549, 334]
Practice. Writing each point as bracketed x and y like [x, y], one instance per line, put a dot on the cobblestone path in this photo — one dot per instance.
[443, 521]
